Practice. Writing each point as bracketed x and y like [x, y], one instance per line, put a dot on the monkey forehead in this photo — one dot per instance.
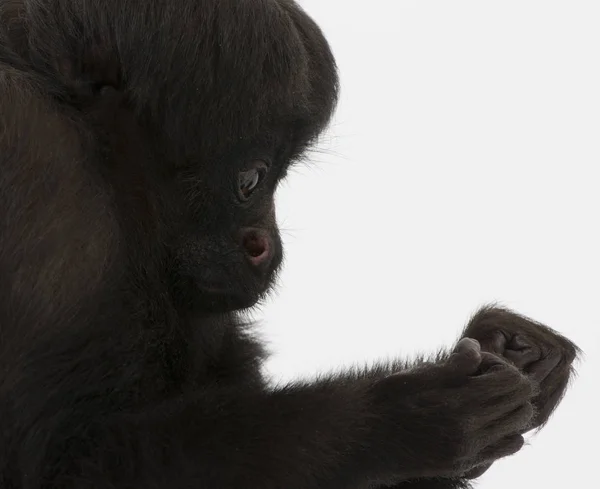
[232, 68]
[197, 67]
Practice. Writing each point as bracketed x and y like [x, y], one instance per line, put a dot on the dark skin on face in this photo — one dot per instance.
[141, 144]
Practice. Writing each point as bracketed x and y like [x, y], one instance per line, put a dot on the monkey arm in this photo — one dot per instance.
[295, 437]
[340, 432]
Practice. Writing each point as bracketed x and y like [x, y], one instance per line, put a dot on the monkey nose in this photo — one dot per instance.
[258, 246]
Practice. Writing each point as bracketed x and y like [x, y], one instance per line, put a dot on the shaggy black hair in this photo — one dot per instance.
[141, 143]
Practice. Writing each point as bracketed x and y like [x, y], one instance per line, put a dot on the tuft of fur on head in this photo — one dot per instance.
[265, 58]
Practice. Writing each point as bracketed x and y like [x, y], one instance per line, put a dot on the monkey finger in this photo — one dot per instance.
[551, 393]
[540, 369]
[506, 446]
[466, 357]
[522, 352]
[491, 362]
[494, 342]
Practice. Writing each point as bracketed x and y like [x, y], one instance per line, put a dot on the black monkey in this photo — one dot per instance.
[141, 142]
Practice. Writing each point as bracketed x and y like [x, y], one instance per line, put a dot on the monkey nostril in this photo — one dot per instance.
[257, 246]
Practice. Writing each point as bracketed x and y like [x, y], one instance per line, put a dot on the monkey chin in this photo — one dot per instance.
[202, 289]
[223, 301]
[217, 298]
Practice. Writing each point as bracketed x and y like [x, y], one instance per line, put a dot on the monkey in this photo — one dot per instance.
[141, 145]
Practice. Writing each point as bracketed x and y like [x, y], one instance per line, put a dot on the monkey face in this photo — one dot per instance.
[204, 227]
[227, 253]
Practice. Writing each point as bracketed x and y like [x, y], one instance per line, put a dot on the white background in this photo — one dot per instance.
[462, 168]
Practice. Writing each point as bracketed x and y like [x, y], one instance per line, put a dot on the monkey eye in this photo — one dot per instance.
[248, 180]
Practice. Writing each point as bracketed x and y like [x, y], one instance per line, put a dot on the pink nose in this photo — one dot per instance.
[258, 246]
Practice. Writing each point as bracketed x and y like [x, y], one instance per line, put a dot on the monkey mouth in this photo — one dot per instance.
[214, 298]
[222, 289]
[220, 295]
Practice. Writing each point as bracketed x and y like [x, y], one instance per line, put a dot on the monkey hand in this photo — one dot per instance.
[466, 411]
[541, 353]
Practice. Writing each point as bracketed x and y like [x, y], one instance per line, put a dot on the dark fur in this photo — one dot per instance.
[123, 361]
